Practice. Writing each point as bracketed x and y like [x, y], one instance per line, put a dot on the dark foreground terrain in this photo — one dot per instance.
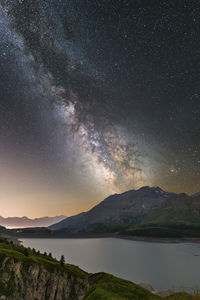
[30, 275]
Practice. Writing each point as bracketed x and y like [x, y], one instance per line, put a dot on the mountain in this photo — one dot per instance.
[20, 222]
[147, 205]
[27, 274]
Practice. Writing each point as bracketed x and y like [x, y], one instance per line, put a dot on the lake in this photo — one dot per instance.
[162, 265]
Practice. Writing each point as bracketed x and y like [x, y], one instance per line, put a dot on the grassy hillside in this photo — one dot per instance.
[164, 230]
[102, 285]
[185, 214]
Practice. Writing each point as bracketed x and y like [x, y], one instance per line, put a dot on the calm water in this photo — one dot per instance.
[161, 265]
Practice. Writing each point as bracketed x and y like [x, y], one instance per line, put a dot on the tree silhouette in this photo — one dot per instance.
[62, 260]
[25, 251]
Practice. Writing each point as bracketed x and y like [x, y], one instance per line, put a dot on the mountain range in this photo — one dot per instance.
[20, 222]
[145, 210]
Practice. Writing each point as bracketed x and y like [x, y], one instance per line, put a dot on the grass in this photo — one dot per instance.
[185, 215]
[170, 229]
[107, 286]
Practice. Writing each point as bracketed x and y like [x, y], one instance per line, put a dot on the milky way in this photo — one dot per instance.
[103, 94]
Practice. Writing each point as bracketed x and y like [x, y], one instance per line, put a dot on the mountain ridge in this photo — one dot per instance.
[136, 207]
[19, 222]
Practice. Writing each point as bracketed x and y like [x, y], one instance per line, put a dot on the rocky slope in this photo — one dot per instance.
[136, 207]
[19, 281]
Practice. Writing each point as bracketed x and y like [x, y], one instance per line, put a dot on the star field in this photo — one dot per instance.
[103, 94]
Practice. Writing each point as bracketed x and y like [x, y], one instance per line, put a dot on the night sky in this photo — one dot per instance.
[96, 97]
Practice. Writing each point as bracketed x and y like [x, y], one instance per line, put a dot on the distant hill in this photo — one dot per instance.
[19, 222]
[145, 208]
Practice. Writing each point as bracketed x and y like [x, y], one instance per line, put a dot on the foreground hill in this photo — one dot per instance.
[147, 211]
[19, 222]
[27, 274]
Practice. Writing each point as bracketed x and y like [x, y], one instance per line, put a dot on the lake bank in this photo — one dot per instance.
[106, 235]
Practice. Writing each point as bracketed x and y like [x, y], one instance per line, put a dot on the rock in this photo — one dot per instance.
[35, 282]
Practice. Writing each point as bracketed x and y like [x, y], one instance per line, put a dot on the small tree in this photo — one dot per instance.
[50, 255]
[25, 251]
[62, 260]
[38, 252]
[45, 254]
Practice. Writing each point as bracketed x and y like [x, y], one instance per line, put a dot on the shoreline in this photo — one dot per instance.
[93, 236]
[161, 240]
